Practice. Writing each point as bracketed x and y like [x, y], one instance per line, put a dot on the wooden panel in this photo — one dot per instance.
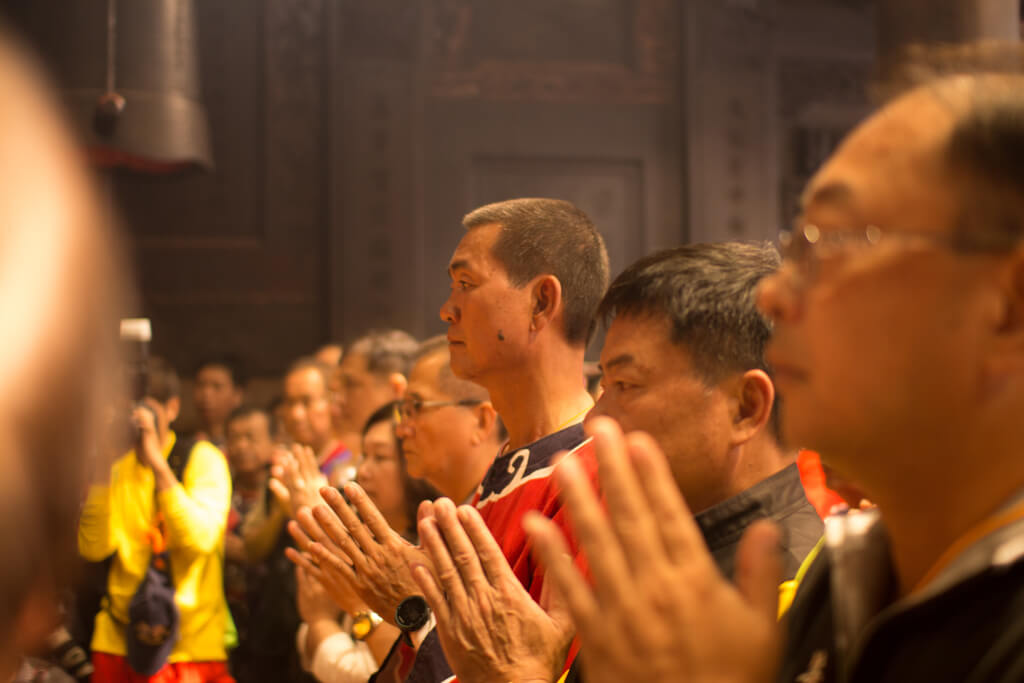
[195, 208]
[487, 107]
[595, 31]
[372, 271]
[537, 51]
[235, 259]
[824, 64]
[731, 121]
[821, 101]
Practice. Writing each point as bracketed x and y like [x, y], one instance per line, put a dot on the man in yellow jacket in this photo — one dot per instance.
[144, 494]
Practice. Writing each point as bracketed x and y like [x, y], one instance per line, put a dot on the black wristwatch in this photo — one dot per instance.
[411, 615]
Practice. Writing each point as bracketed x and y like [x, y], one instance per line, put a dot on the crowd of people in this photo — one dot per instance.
[464, 508]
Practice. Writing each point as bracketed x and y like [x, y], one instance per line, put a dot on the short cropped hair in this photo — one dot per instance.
[230, 362]
[707, 293]
[164, 383]
[551, 237]
[986, 155]
[386, 351]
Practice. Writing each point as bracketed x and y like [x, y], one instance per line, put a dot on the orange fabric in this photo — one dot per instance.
[115, 669]
[812, 476]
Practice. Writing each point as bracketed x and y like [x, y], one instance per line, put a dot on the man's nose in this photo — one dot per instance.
[778, 297]
[449, 312]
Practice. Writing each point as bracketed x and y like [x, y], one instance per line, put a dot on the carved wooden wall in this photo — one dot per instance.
[235, 259]
[484, 101]
[350, 136]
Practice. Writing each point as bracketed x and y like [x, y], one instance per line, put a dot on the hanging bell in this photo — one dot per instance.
[129, 71]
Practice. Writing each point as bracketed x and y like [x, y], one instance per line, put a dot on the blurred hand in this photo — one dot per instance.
[361, 549]
[313, 600]
[489, 626]
[296, 478]
[658, 609]
[340, 592]
[148, 449]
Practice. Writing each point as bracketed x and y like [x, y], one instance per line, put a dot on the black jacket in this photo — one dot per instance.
[967, 626]
[779, 498]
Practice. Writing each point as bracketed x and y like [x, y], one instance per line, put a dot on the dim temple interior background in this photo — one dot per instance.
[348, 137]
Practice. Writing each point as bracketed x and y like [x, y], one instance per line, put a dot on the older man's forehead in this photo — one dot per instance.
[897, 154]
[474, 249]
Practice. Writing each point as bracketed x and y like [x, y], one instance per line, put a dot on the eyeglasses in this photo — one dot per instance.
[805, 248]
[410, 408]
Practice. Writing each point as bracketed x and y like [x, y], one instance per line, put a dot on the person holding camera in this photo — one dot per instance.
[159, 521]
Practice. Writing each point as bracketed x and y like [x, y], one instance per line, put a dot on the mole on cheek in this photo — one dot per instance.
[501, 337]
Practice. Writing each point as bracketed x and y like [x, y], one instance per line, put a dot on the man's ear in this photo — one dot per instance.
[173, 409]
[547, 301]
[753, 398]
[398, 384]
[486, 421]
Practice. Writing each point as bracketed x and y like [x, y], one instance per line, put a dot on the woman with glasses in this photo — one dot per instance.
[342, 641]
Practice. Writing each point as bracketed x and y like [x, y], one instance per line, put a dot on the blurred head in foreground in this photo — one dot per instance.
[60, 297]
[902, 289]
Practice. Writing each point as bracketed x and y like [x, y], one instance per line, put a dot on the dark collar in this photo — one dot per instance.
[512, 467]
[772, 498]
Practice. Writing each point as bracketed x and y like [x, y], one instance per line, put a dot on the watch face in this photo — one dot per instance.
[412, 613]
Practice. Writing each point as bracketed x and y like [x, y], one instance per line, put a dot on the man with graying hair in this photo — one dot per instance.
[450, 431]
[899, 349]
[373, 372]
[61, 292]
[683, 360]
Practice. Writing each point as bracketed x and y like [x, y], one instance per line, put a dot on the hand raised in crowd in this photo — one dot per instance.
[362, 549]
[296, 478]
[340, 592]
[148, 449]
[315, 603]
[659, 609]
[489, 626]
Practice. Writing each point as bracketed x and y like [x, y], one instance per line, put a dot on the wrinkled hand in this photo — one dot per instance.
[296, 478]
[489, 626]
[340, 591]
[659, 609]
[362, 549]
[313, 600]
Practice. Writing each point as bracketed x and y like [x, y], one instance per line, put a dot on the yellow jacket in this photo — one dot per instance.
[115, 519]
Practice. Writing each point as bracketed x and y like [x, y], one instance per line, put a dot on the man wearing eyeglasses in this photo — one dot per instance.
[450, 432]
[899, 351]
